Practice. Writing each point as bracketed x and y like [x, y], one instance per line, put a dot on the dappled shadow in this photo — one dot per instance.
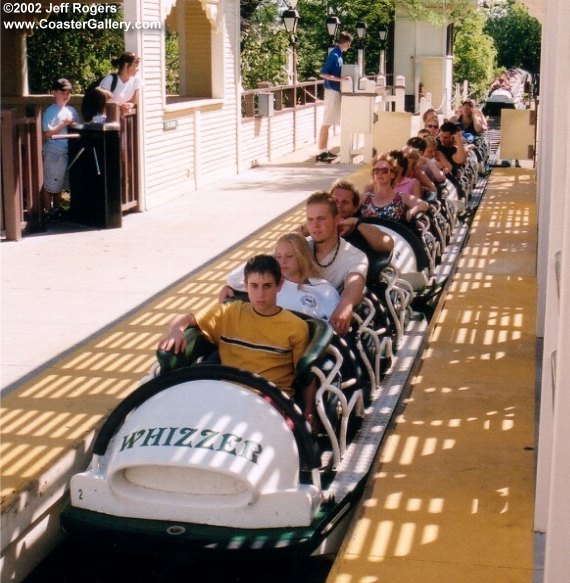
[57, 411]
[452, 497]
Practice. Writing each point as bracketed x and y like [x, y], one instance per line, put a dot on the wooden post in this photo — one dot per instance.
[35, 211]
[11, 191]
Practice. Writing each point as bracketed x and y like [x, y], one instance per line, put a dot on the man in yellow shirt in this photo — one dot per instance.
[258, 335]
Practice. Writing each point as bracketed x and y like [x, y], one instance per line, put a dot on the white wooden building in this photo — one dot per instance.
[198, 136]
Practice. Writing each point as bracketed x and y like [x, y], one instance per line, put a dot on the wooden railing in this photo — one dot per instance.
[22, 169]
[22, 173]
[130, 190]
[284, 96]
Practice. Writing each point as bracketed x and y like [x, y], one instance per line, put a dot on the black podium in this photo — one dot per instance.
[95, 175]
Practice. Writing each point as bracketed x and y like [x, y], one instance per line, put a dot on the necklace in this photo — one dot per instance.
[334, 256]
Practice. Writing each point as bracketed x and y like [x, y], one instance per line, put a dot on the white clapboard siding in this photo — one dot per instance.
[264, 138]
[254, 141]
[306, 124]
[203, 145]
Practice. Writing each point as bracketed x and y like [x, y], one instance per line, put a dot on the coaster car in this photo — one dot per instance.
[216, 457]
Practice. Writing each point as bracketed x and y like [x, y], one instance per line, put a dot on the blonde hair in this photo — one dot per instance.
[307, 266]
[413, 157]
[345, 184]
[323, 197]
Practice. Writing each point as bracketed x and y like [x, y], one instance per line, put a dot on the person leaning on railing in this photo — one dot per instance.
[331, 73]
[125, 92]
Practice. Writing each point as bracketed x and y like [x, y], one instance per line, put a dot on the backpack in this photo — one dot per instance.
[92, 86]
[93, 101]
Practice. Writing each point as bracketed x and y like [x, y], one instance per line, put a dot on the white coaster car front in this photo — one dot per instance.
[205, 452]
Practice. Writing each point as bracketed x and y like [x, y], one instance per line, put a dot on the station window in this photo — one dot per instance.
[193, 49]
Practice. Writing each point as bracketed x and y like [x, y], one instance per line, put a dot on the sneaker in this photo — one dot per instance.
[325, 157]
[56, 215]
[331, 155]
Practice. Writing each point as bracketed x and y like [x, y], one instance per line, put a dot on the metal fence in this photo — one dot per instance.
[284, 96]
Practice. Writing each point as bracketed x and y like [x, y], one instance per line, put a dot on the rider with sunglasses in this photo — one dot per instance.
[384, 201]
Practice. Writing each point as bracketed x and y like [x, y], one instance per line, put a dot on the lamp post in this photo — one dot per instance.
[333, 24]
[383, 45]
[290, 19]
[361, 33]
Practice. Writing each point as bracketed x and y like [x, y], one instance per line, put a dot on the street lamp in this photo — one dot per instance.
[290, 19]
[383, 32]
[361, 29]
[333, 23]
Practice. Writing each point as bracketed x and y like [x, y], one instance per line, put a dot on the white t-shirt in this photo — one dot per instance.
[348, 260]
[53, 116]
[123, 91]
[317, 298]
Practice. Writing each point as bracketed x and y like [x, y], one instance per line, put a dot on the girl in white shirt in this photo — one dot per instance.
[303, 289]
[125, 92]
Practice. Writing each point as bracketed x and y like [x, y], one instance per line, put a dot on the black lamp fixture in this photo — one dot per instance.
[333, 23]
[383, 34]
[361, 30]
[290, 19]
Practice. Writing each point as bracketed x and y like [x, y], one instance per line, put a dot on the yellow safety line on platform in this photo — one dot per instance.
[452, 498]
[52, 414]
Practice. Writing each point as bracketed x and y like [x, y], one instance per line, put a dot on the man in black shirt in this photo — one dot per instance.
[450, 144]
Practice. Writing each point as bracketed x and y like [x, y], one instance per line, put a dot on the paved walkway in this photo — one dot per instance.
[82, 312]
[61, 287]
[452, 497]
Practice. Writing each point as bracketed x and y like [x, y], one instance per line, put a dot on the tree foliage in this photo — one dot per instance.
[474, 55]
[517, 36]
[264, 44]
[172, 61]
[313, 36]
[80, 56]
[263, 57]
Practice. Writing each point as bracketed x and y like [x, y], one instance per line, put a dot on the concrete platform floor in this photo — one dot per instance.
[452, 497]
[82, 311]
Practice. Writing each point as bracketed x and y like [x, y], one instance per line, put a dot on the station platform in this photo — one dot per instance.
[83, 310]
[452, 496]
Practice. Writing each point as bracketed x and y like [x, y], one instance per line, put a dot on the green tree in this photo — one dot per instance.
[474, 55]
[517, 36]
[313, 36]
[263, 44]
[80, 56]
[172, 61]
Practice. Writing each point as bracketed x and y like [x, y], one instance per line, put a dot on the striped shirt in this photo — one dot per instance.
[270, 346]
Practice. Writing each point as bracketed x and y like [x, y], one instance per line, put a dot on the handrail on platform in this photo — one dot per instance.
[22, 172]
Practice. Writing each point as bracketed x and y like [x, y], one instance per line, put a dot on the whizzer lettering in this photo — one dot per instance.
[196, 438]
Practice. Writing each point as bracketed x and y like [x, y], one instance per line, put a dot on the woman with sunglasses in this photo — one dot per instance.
[383, 201]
